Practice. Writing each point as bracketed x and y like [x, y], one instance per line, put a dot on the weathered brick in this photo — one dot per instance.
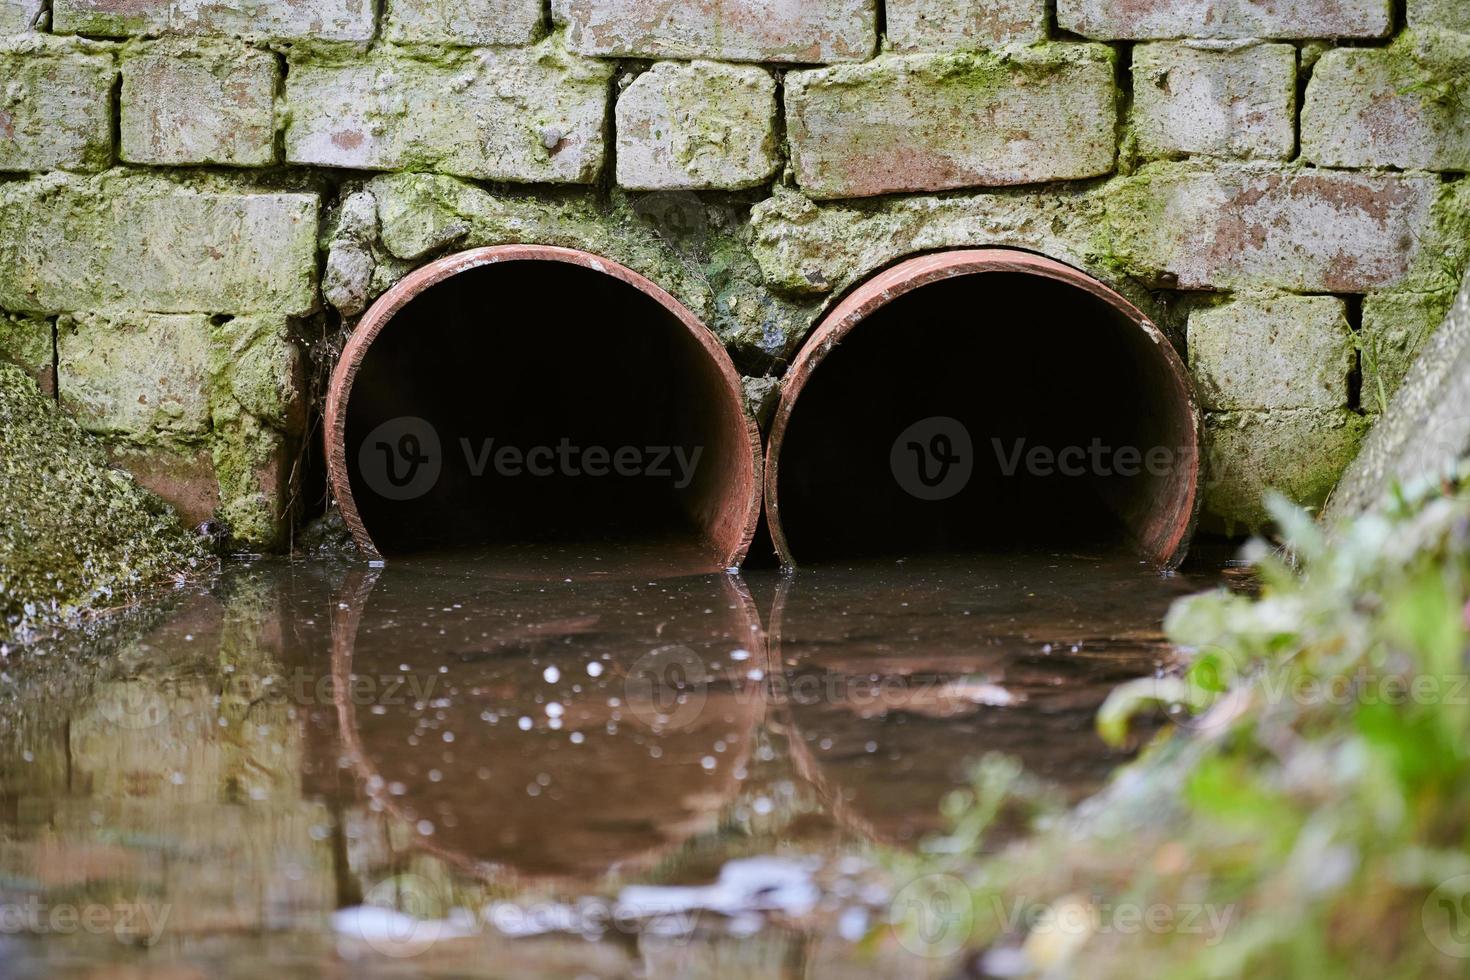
[1299, 453]
[1110, 20]
[1395, 328]
[182, 475]
[323, 20]
[142, 376]
[189, 103]
[1222, 99]
[804, 248]
[963, 25]
[1198, 227]
[1402, 106]
[142, 242]
[795, 31]
[463, 22]
[26, 342]
[933, 122]
[55, 108]
[514, 114]
[1271, 351]
[20, 16]
[259, 409]
[1451, 15]
[697, 126]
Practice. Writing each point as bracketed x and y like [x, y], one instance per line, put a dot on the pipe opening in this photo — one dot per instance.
[531, 396]
[983, 401]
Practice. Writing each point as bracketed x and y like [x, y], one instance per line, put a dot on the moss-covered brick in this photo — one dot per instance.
[1272, 351]
[1225, 99]
[794, 31]
[20, 16]
[514, 114]
[1244, 225]
[697, 126]
[1403, 106]
[933, 122]
[462, 22]
[258, 404]
[963, 25]
[186, 102]
[328, 20]
[28, 343]
[55, 105]
[809, 248]
[132, 241]
[1133, 20]
[142, 376]
[1451, 15]
[1395, 327]
[1298, 452]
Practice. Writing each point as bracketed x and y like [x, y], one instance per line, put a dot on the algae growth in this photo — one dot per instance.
[78, 535]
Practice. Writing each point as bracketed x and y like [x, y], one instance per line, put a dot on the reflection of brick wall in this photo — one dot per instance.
[173, 165]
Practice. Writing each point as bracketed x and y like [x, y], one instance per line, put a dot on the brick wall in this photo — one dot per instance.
[188, 189]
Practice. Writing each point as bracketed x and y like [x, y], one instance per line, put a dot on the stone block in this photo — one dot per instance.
[137, 241]
[1395, 328]
[963, 25]
[20, 16]
[1299, 453]
[186, 103]
[1450, 15]
[513, 114]
[468, 23]
[935, 122]
[697, 126]
[27, 342]
[1138, 20]
[1237, 225]
[140, 376]
[1402, 106]
[55, 109]
[1214, 99]
[320, 20]
[1272, 351]
[792, 31]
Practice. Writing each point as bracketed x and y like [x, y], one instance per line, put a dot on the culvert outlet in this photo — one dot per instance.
[983, 400]
[533, 395]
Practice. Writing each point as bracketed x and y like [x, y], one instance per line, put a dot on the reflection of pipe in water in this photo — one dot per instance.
[532, 754]
[891, 687]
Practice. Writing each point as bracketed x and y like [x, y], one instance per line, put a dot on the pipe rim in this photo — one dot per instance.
[908, 275]
[391, 303]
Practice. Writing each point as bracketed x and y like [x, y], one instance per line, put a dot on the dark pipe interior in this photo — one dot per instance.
[1021, 361]
[547, 354]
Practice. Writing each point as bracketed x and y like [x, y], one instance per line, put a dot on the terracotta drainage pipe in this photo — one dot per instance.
[983, 400]
[526, 394]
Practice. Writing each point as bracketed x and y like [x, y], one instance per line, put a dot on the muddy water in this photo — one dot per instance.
[541, 767]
